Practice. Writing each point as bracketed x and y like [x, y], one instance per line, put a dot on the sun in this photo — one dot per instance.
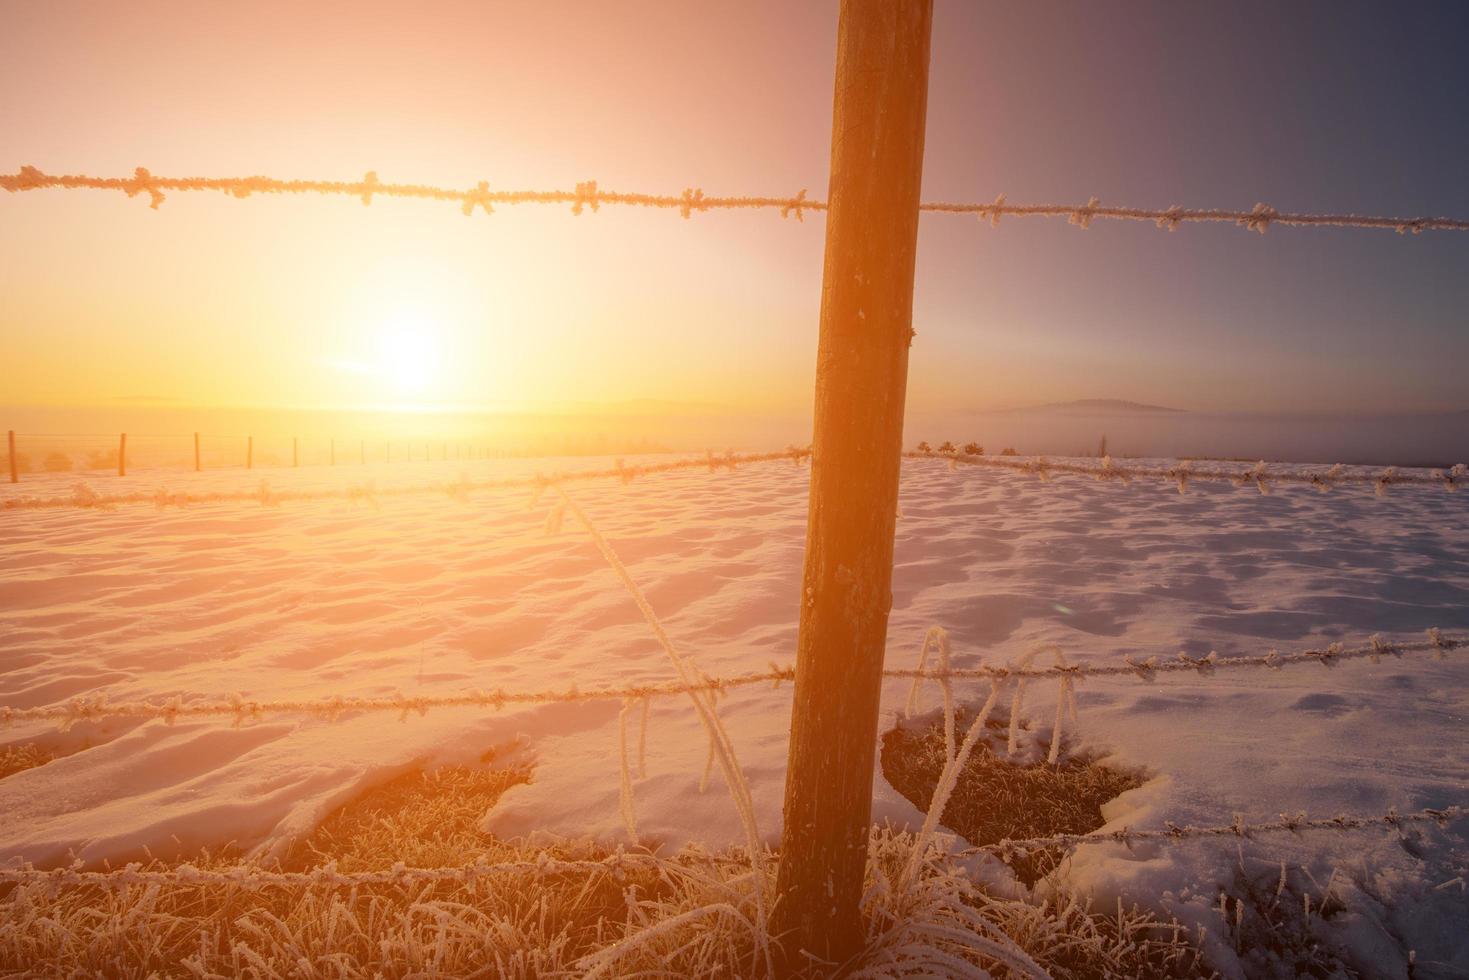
[408, 354]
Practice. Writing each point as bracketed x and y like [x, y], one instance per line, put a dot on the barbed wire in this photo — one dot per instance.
[252, 877]
[243, 709]
[84, 497]
[588, 196]
[619, 862]
[1171, 832]
[1259, 218]
[1147, 670]
[1261, 475]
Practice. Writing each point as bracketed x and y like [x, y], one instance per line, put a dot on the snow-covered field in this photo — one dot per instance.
[426, 594]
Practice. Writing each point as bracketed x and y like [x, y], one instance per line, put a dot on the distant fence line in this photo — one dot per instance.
[52, 452]
[84, 497]
[1260, 476]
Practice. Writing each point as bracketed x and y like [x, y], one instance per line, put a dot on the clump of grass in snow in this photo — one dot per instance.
[995, 799]
[17, 758]
[424, 818]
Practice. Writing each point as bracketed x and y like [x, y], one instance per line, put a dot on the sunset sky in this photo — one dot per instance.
[324, 303]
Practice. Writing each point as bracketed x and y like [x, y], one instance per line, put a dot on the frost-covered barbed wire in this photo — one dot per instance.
[484, 871]
[1171, 832]
[588, 196]
[1261, 475]
[1259, 218]
[253, 877]
[1329, 656]
[243, 709]
[84, 497]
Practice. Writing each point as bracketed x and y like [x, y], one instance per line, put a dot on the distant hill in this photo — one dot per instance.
[1104, 405]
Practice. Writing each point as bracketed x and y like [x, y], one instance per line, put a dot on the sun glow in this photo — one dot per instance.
[407, 354]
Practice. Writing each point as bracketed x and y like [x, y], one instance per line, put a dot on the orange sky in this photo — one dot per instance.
[322, 302]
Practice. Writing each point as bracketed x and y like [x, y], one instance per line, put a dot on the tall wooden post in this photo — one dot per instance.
[861, 380]
[249, 452]
[295, 451]
[197, 467]
[14, 464]
[122, 454]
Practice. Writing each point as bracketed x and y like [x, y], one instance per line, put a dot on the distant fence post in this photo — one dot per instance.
[14, 466]
[295, 451]
[249, 452]
[122, 454]
[878, 121]
[197, 467]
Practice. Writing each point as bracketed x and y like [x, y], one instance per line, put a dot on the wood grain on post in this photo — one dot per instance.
[197, 467]
[878, 120]
[14, 464]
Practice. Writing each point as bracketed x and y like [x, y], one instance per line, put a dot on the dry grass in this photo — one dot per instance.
[424, 818]
[691, 916]
[995, 799]
[18, 758]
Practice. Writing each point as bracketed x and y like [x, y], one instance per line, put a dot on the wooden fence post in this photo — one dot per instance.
[249, 452]
[14, 465]
[197, 467]
[878, 120]
[122, 454]
[295, 451]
